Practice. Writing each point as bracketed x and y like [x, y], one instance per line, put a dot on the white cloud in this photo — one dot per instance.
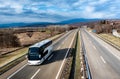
[17, 7]
[98, 2]
[10, 19]
[57, 10]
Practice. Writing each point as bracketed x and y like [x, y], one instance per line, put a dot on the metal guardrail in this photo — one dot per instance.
[88, 74]
[109, 42]
[84, 52]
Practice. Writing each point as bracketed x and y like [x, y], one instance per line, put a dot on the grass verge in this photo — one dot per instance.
[111, 38]
[74, 66]
[68, 68]
[77, 59]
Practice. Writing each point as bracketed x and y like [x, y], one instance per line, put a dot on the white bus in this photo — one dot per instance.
[38, 52]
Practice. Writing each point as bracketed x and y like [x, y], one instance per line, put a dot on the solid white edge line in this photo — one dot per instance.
[62, 44]
[102, 59]
[50, 57]
[16, 71]
[96, 38]
[35, 74]
[64, 59]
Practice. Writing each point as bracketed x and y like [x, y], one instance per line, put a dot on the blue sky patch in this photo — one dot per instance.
[57, 10]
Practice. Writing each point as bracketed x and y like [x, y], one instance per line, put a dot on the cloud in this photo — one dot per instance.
[56, 10]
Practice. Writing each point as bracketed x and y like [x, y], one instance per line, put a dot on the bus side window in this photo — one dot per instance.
[41, 50]
[45, 53]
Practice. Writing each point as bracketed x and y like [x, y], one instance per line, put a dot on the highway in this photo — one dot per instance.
[51, 68]
[103, 59]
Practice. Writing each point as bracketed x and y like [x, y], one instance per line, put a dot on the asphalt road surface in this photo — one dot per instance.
[51, 68]
[103, 59]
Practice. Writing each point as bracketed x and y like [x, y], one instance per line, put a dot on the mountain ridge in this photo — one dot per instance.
[44, 24]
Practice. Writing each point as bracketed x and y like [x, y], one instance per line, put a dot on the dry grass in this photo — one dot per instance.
[111, 38]
[4, 59]
[5, 50]
[26, 40]
[77, 64]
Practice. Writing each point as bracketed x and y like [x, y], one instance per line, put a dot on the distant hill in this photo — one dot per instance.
[44, 24]
[78, 20]
[12, 25]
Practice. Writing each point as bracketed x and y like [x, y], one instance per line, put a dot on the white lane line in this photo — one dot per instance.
[35, 74]
[16, 71]
[94, 47]
[26, 64]
[62, 43]
[64, 59]
[102, 59]
[61, 38]
[50, 57]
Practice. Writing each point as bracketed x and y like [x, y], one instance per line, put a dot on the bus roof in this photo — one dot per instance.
[39, 44]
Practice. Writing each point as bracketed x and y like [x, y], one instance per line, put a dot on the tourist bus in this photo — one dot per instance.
[38, 52]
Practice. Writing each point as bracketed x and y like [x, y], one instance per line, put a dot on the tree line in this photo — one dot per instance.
[105, 26]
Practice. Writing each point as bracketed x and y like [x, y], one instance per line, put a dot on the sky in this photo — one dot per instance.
[57, 10]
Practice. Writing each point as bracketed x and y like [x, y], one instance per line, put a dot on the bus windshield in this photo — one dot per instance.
[33, 54]
[33, 50]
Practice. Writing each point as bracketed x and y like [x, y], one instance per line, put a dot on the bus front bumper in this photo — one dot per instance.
[36, 62]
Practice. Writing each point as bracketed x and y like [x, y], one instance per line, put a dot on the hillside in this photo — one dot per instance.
[44, 24]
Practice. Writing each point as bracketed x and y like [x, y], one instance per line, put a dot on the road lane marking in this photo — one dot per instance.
[16, 71]
[62, 37]
[102, 59]
[101, 42]
[62, 41]
[64, 58]
[50, 57]
[35, 74]
[26, 64]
